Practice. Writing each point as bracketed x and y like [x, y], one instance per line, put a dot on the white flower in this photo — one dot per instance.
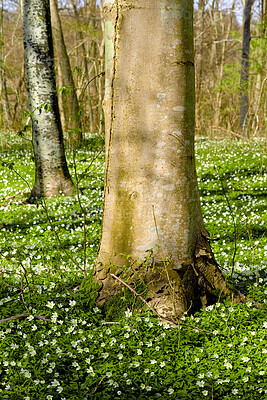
[228, 365]
[120, 356]
[72, 303]
[162, 364]
[245, 379]
[200, 383]
[55, 382]
[265, 325]
[245, 359]
[50, 304]
[139, 352]
[205, 393]
[261, 373]
[153, 362]
[54, 317]
[235, 391]
[128, 313]
[170, 391]
[30, 318]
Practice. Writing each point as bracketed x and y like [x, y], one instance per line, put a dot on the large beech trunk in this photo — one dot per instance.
[51, 172]
[151, 193]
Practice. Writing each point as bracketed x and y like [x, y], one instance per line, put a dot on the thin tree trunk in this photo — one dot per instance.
[152, 208]
[60, 98]
[225, 34]
[51, 172]
[85, 69]
[70, 100]
[3, 88]
[18, 92]
[244, 103]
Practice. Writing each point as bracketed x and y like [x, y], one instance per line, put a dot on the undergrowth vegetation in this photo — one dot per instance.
[61, 346]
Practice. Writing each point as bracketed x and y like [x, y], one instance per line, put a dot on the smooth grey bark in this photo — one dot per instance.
[70, 101]
[51, 172]
[152, 205]
[244, 77]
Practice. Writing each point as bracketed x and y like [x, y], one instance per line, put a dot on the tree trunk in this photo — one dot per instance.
[3, 88]
[245, 68]
[151, 194]
[85, 66]
[70, 100]
[51, 172]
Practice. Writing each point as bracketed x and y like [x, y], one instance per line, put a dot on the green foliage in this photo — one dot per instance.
[124, 302]
[75, 351]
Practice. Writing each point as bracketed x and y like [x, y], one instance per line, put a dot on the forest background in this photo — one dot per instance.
[218, 54]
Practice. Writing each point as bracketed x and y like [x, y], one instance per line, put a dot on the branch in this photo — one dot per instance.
[23, 316]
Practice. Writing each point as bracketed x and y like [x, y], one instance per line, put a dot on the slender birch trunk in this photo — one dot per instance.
[51, 172]
[151, 193]
[70, 101]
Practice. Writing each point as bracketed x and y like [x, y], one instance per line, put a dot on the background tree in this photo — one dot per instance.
[51, 173]
[151, 191]
[3, 88]
[244, 103]
[218, 43]
[70, 104]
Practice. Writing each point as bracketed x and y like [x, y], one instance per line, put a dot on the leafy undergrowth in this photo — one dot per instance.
[72, 352]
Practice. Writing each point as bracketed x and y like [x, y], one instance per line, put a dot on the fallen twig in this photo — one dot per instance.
[23, 316]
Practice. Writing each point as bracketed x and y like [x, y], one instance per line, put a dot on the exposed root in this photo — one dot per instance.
[171, 290]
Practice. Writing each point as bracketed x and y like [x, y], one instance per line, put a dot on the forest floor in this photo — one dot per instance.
[62, 346]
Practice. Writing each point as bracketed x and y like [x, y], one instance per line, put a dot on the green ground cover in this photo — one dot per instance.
[78, 354]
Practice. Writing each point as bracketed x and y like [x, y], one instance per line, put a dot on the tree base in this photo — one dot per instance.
[170, 291]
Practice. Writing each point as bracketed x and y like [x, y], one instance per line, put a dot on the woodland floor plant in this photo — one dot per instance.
[62, 346]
